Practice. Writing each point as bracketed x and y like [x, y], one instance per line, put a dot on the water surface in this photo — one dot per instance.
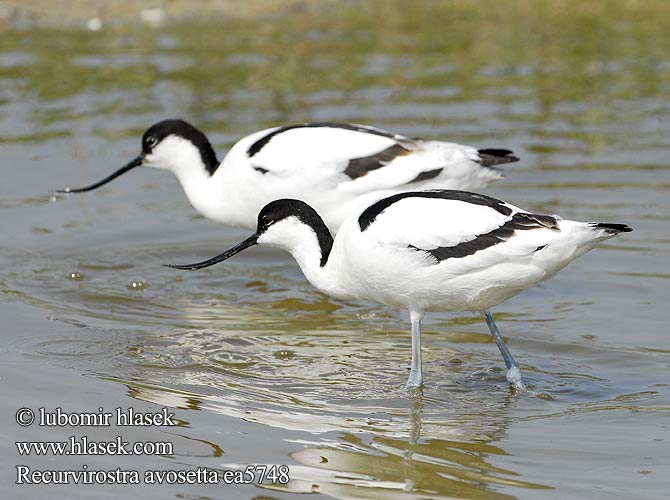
[258, 366]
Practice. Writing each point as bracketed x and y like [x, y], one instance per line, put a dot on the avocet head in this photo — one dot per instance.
[173, 145]
[286, 224]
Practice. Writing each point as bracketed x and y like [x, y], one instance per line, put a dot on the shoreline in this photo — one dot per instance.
[93, 15]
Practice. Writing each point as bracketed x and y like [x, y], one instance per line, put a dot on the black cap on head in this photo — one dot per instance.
[159, 131]
[278, 210]
[281, 209]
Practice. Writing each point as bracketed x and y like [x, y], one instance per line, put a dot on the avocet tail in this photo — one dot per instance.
[611, 228]
[491, 157]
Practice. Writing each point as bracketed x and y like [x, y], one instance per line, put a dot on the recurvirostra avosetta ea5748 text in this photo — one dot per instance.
[335, 167]
[438, 250]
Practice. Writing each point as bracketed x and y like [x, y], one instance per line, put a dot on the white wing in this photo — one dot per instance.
[329, 148]
[432, 219]
[358, 159]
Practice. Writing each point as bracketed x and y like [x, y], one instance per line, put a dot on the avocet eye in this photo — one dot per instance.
[151, 141]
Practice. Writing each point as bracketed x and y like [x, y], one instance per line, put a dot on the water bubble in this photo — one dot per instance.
[284, 355]
[135, 350]
[137, 285]
[408, 486]
[94, 24]
[76, 276]
[57, 194]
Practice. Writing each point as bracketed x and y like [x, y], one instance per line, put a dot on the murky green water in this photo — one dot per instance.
[260, 368]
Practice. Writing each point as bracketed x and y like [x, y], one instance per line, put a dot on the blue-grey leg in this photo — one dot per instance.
[415, 375]
[513, 371]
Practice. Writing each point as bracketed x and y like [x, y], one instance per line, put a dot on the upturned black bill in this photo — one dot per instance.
[250, 241]
[135, 163]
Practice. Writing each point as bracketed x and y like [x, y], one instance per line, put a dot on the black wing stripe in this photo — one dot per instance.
[260, 143]
[358, 167]
[427, 175]
[519, 222]
[372, 212]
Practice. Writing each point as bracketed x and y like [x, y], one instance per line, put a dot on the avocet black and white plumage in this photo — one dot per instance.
[336, 167]
[435, 250]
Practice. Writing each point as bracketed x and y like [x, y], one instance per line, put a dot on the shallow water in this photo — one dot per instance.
[257, 366]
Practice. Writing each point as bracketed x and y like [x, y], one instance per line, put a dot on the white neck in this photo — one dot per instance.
[302, 243]
[221, 197]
